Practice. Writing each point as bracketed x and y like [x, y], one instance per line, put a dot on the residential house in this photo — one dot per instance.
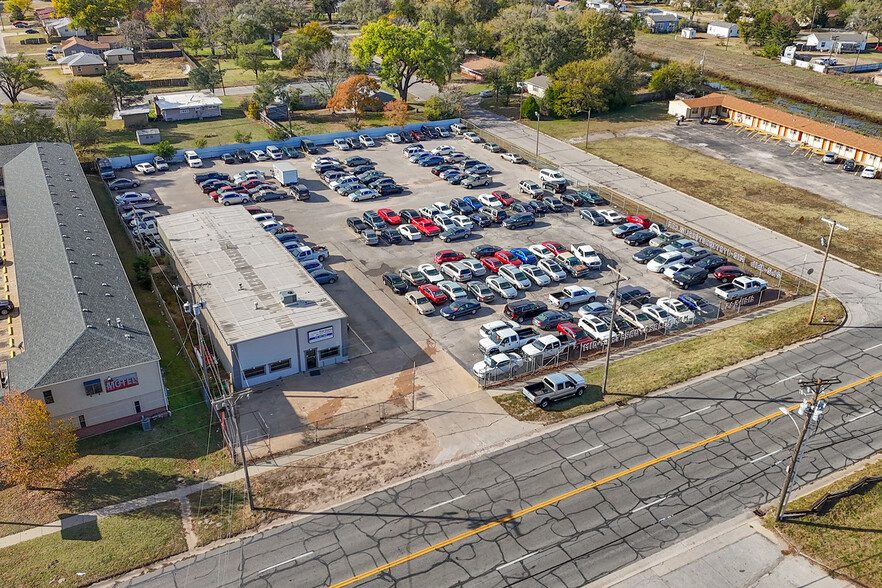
[117, 56]
[82, 64]
[61, 27]
[197, 105]
[564, 5]
[836, 42]
[536, 86]
[661, 22]
[77, 45]
[114, 41]
[476, 67]
[722, 29]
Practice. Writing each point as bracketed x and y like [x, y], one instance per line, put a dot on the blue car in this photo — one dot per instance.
[697, 303]
[473, 202]
[525, 255]
[460, 308]
[480, 220]
[461, 207]
[538, 206]
[324, 276]
[430, 161]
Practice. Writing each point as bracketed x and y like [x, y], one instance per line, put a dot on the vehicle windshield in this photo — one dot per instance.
[504, 284]
[601, 328]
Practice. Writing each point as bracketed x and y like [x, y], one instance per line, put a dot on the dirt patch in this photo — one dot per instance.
[325, 411]
[316, 483]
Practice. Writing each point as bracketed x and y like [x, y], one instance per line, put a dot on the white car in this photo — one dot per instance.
[680, 245]
[453, 290]
[541, 251]
[274, 152]
[363, 194]
[341, 144]
[443, 150]
[132, 198]
[501, 286]
[192, 159]
[366, 141]
[658, 314]
[471, 137]
[443, 208]
[538, 277]
[552, 176]
[611, 216]
[664, 260]
[552, 269]
[258, 155]
[420, 302]
[160, 164]
[674, 268]
[442, 132]
[271, 226]
[512, 157]
[409, 232]
[431, 272]
[869, 173]
[393, 137]
[476, 267]
[515, 276]
[490, 200]
[676, 308]
[500, 364]
[596, 327]
[145, 168]
[444, 222]
[262, 217]
[463, 221]
[428, 211]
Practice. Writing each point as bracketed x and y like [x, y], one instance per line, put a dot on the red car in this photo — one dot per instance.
[555, 246]
[448, 255]
[508, 257]
[503, 197]
[388, 215]
[492, 264]
[215, 195]
[639, 219]
[252, 184]
[426, 227]
[433, 293]
[254, 209]
[574, 332]
[727, 273]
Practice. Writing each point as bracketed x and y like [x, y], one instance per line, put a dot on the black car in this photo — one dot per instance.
[429, 131]
[523, 310]
[553, 203]
[308, 146]
[554, 187]
[459, 308]
[356, 224]
[395, 283]
[574, 199]
[440, 169]
[241, 155]
[481, 291]
[849, 165]
[353, 142]
[6, 307]
[386, 189]
[199, 178]
[520, 207]
[228, 158]
[212, 185]
[299, 191]
[479, 251]
[711, 262]
[358, 161]
[641, 237]
[480, 219]
[593, 198]
[690, 276]
[460, 206]
[408, 214]
[516, 221]
[389, 236]
[457, 178]
[646, 255]
[361, 169]
[537, 206]
[635, 295]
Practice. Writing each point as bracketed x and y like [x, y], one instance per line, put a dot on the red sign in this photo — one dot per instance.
[120, 382]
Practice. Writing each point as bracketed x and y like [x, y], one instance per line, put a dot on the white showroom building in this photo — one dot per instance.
[265, 316]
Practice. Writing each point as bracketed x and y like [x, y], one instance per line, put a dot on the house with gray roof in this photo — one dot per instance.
[661, 22]
[86, 350]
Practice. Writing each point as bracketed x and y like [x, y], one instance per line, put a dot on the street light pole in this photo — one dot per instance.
[538, 116]
[619, 278]
[833, 225]
[587, 129]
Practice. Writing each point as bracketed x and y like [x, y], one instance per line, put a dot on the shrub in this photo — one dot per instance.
[529, 107]
[276, 134]
[240, 137]
[165, 149]
[253, 110]
[771, 50]
[200, 143]
[141, 265]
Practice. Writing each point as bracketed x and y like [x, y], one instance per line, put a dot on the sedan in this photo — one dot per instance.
[646, 255]
[594, 308]
[712, 262]
[536, 275]
[433, 276]
[446, 255]
[419, 301]
[612, 216]
[228, 158]
[553, 203]
[412, 276]
[324, 276]
[697, 304]
[658, 314]
[593, 217]
[502, 287]
[386, 189]
[357, 161]
[525, 255]
[480, 251]
[455, 158]
[492, 147]
[540, 251]
[476, 267]
[727, 273]
[499, 365]
[548, 320]
[453, 177]
[552, 269]
[503, 197]
[430, 161]
[492, 264]
[258, 155]
[443, 150]
[433, 293]
[481, 291]
[145, 168]
[463, 221]
[440, 169]
[512, 157]
[507, 257]
[395, 283]
[123, 184]
[637, 238]
[471, 137]
[410, 232]
[676, 308]
[623, 230]
[460, 308]
[482, 220]
[363, 194]
[455, 234]
[490, 200]
[452, 290]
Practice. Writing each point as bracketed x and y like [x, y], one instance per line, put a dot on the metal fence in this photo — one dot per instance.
[359, 418]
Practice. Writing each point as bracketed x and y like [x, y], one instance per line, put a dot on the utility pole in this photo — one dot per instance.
[587, 129]
[612, 325]
[538, 116]
[195, 308]
[833, 225]
[812, 410]
[229, 404]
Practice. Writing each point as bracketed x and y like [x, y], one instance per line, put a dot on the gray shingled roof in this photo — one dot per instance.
[70, 279]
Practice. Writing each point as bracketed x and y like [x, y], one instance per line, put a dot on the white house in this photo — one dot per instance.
[722, 29]
[187, 106]
[537, 85]
[60, 27]
[842, 42]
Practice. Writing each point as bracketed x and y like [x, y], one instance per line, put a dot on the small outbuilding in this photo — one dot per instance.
[147, 136]
[722, 29]
[118, 56]
[196, 105]
[133, 117]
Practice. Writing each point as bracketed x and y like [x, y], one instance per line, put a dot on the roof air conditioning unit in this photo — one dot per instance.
[288, 297]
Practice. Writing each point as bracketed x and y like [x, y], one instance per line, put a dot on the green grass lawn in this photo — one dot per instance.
[89, 553]
[644, 373]
[749, 195]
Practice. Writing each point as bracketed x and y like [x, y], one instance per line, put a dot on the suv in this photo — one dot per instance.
[522, 310]
[308, 146]
[634, 295]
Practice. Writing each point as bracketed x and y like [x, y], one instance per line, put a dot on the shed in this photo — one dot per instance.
[133, 116]
[688, 33]
[147, 136]
[117, 56]
[722, 29]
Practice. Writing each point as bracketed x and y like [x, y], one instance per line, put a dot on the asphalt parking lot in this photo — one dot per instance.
[775, 159]
[379, 318]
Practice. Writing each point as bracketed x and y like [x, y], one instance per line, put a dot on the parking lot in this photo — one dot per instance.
[382, 319]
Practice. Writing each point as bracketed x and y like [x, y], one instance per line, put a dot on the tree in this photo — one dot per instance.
[165, 149]
[207, 75]
[674, 77]
[126, 91]
[407, 55]
[290, 97]
[93, 15]
[85, 98]
[273, 16]
[326, 7]
[504, 81]
[447, 104]
[268, 87]
[316, 33]
[537, 42]
[583, 86]
[164, 11]
[331, 67]
[194, 42]
[604, 31]
[866, 17]
[251, 57]
[34, 448]
[363, 11]
[23, 123]
[24, 6]
[135, 32]
[769, 26]
[396, 113]
[406, 9]
[240, 137]
[18, 74]
[356, 93]
[529, 107]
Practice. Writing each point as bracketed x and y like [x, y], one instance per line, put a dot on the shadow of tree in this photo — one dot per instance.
[92, 488]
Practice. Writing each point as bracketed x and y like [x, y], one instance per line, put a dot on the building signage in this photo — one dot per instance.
[121, 382]
[320, 334]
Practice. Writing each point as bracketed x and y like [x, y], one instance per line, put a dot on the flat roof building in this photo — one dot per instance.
[266, 316]
[86, 349]
[187, 106]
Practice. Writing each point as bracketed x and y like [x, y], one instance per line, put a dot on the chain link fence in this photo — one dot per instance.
[359, 418]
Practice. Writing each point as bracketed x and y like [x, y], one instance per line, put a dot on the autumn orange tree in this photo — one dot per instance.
[396, 112]
[34, 447]
[356, 93]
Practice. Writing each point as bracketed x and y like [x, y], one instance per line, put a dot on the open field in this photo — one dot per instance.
[752, 196]
[88, 553]
[155, 69]
[641, 374]
[834, 92]
[847, 538]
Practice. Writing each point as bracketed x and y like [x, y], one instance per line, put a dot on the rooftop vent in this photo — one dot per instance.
[288, 297]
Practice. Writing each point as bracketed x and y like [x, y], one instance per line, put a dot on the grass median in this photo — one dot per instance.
[92, 552]
[644, 373]
[847, 537]
[752, 196]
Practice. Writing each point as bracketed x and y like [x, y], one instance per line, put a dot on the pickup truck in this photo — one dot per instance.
[546, 346]
[554, 387]
[587, 255]
[572, 264]
[304, 253]
[572, 295]
[506, 340]
[740, 287]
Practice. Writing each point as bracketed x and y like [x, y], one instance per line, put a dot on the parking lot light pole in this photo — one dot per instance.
[833, 225]
[619, 278]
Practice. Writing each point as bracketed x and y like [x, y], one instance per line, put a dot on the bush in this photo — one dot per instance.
[165, 149]
[240, 137]
[200, 143]
[771, 50]
[141, 265]
[253, 110]
[276, 134]
[529, 107]
[15, 13]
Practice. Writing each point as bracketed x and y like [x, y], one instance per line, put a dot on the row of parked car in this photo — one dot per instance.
[246, 186]
[356, 177]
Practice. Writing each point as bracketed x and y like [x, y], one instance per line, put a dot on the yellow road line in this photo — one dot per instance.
[581, 489]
